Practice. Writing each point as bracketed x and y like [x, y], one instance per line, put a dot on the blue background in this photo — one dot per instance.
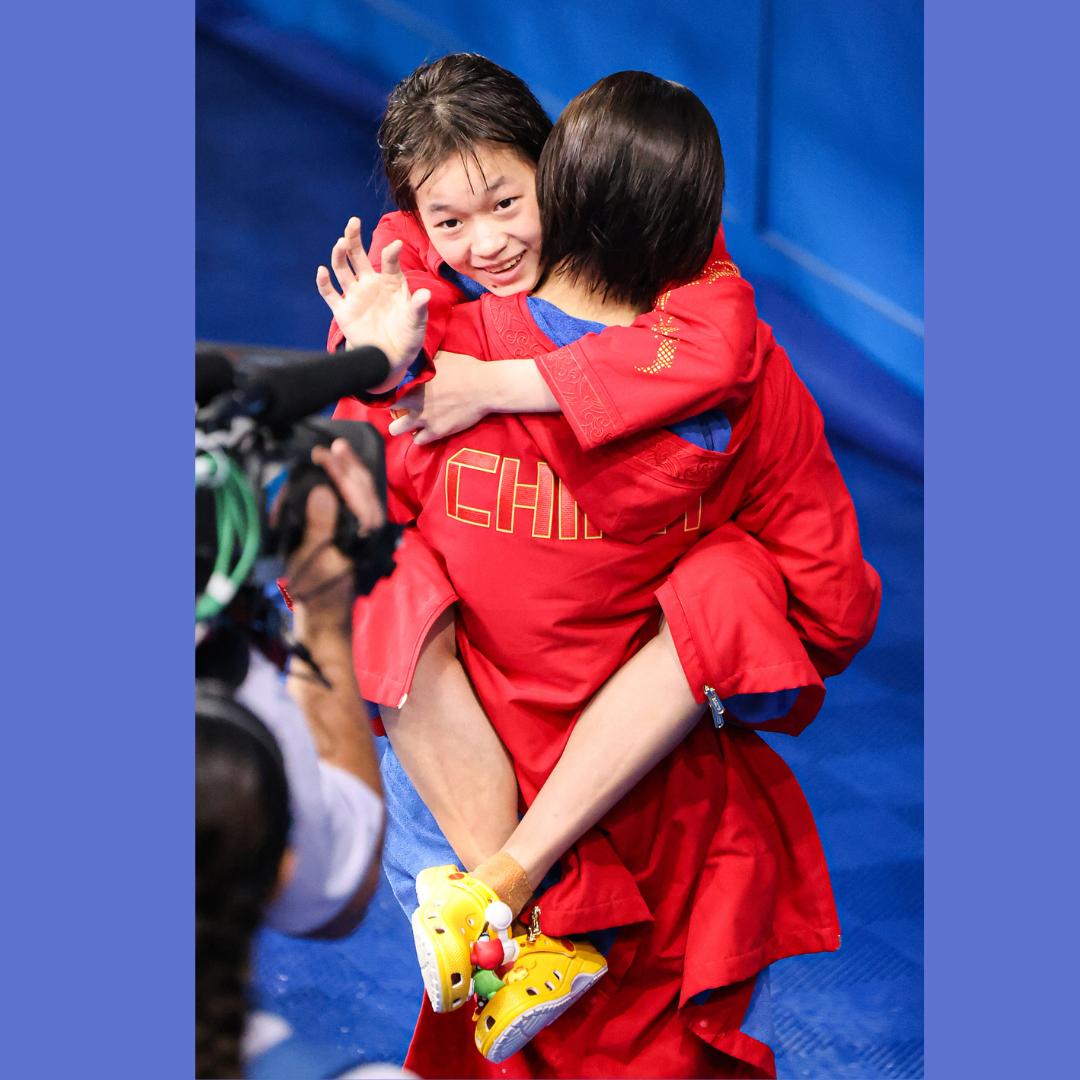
[819, 106]
[99, 315]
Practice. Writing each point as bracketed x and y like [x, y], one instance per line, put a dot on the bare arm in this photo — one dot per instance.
[336, 716]
[464, 390]
[320, 579]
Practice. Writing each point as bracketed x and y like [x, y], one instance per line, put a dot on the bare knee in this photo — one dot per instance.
[441, 641]
[437, 654]
[389, 717]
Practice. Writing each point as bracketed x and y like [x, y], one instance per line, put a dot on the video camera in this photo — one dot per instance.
[255, 428]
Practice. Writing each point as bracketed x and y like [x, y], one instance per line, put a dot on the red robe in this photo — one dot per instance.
[712, 863]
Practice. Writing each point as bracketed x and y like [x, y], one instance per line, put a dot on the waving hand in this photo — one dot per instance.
[375, 308]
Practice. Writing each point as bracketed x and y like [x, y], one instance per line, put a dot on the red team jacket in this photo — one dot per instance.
[701, 347]
[712, 864]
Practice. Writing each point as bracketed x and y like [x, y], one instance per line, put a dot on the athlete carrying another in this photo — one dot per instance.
[553, 619]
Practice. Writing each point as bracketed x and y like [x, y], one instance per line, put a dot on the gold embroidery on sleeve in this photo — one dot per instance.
[664, 327]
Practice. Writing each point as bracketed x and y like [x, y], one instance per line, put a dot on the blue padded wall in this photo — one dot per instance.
[818, 102]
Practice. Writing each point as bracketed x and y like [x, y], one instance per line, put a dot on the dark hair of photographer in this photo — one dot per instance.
[630, 185]
[242, 824]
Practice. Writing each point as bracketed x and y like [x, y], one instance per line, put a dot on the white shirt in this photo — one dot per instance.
[336, 818]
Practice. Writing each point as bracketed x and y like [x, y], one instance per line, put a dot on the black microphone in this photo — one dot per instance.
[282, 395]
[278, 387]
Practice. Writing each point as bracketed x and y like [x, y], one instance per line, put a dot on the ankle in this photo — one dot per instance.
[506, 878]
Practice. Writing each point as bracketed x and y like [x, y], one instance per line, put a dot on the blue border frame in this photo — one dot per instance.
[99, 304]
[97, 776]
[1000, 743]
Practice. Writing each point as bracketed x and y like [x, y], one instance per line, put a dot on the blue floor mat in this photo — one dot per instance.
[361, 994]
[858, 1012]
[280, 169]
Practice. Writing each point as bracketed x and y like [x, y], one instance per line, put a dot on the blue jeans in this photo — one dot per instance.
[413, 839]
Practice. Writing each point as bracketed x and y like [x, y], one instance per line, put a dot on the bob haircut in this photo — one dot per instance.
[630, 186]
[450, 107]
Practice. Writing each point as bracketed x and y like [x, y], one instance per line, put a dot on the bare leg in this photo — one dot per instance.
[452, 754]
[636, 719]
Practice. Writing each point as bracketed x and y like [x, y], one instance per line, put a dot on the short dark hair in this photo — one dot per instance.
[450, 107]
[630, 186]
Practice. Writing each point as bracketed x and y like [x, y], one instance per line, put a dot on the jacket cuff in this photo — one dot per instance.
[588, 409]
[694, 655]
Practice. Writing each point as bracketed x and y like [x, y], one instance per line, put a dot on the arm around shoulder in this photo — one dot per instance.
[696, 350]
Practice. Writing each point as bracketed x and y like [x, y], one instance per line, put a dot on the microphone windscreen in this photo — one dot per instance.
[214, 374]
[296, 390]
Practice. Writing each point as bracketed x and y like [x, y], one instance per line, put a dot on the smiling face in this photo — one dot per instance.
[482, 217]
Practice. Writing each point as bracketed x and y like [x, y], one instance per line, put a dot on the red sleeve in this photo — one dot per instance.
[466, 332]
[801, 512]
[694, 351]
[390, 624]
[418, 260]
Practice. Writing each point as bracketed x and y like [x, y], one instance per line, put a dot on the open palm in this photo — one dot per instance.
[375, 308]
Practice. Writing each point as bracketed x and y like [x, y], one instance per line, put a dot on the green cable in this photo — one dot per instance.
[206, 606]
[250, 550]
[237, 517]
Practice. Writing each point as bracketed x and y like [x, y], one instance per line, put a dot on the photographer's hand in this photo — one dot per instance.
[353, 481]
[375, 308]
[321, 587]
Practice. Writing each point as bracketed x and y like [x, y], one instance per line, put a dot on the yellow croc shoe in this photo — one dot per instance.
[453, 913]
[549, 975]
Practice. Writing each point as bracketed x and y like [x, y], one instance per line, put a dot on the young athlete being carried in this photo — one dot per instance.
[761, 510]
